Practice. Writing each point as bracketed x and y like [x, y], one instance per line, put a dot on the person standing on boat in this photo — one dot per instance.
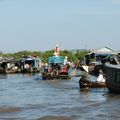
[57, 50]
[55, 64]
[65, 60]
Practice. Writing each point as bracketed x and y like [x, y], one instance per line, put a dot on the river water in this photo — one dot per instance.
[28, 97]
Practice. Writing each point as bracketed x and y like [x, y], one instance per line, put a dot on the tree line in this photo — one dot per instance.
[79, 55]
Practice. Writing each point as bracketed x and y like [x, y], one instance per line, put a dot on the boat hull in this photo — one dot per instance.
[113, 88]
[113, 78]
[48, 76]
[92, 85]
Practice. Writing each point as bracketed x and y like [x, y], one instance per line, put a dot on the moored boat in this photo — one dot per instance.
[56, 69]
[30, 64]
[92, 85]
[84, 82]
[48, 76]
[113, 78]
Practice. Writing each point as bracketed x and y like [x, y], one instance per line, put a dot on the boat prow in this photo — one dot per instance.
[92, 85]
[49, 76]
[97, 85]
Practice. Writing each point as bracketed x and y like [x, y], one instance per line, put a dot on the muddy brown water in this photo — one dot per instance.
[28, 97]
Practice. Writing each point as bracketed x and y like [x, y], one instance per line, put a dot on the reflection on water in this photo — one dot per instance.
[3, 76]
[28, 97]
[54, 118]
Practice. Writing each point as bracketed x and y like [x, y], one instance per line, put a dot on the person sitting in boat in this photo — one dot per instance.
[113, 61]
[84, 81]
[27, 66]
[68, 64]
[46, 68]
[55, 69]
[100, 77]
[55, 60]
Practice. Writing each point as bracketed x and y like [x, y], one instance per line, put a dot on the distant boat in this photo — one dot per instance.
[56, 69]
[30, 64]
[113, 78]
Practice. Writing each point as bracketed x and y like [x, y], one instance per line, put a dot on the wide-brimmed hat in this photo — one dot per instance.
[66, 57]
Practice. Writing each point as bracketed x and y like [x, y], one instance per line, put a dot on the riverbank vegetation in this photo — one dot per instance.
[79, 55]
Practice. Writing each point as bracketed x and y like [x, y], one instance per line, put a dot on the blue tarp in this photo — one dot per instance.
[53, 59]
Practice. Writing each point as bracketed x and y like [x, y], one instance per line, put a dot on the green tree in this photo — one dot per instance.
[81, 54]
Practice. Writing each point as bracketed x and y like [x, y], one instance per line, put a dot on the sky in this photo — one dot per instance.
[39, 25]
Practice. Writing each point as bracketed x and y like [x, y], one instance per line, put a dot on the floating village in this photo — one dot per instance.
[103, 63]
[59, 60]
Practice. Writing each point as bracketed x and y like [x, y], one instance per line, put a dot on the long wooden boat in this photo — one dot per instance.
[48, 76]
[113, 78]
[56, 69]
[92, 85]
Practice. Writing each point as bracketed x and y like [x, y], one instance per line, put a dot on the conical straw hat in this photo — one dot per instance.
[85, 68]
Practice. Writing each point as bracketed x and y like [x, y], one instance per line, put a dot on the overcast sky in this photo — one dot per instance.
[74, 24]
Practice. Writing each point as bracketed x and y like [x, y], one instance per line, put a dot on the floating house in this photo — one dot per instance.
[9, 65]
[3, 64]
[97, 56]
[30, 64]
[96, 59]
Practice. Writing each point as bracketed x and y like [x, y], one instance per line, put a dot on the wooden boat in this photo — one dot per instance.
[85, 83]
[56, 69]
[92, 85]
[113, 77]
[48, 76]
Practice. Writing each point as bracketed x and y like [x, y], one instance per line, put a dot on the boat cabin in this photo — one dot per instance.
[9, 65]
[100, 56]
[30, 64]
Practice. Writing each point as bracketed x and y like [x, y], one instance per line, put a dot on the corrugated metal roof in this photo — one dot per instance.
[104, 50]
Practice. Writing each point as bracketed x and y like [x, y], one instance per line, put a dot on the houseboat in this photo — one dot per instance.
[113, 78]
[30, 64]
[96, 59]
[9, 65]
